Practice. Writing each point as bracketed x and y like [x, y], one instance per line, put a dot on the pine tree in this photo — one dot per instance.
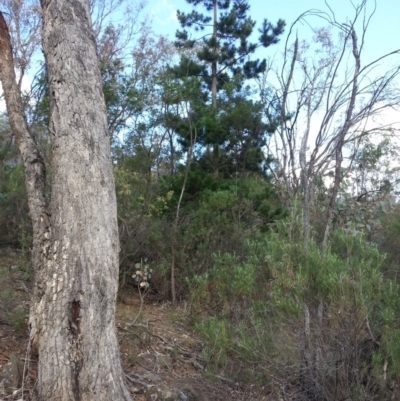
[225, 49]
[223, 66]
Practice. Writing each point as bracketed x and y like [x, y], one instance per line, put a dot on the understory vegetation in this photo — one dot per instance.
[274, 310]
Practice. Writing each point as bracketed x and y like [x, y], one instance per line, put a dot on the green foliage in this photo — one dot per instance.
[13, 305]
[229, 141]
[11, 313]
[188, 112]
[218, 222]
[37, 107]
[244, 132]
[230, 47]
[17, 319]
[291, 309]
[121, 96]
[367, 193]
[15, 229]
[227, 283]
[304, 275]
[217, 216]
[388, 238]
[217, 333]
[246, 195]
[229, 126]
[143, 228]
[15, 225]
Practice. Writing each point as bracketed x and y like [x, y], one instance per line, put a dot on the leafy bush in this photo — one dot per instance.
[15, 225]
[327, 325]
[217, 216]
[13, 303]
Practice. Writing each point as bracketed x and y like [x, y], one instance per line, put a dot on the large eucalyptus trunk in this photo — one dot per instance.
[75, 245]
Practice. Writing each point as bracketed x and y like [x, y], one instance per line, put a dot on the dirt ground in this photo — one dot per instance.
[158, 347]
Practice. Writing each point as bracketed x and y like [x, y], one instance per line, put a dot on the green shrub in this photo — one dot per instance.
[327, 324]
[17, 319]
[217, 333]
[217, 217]
[15, 224]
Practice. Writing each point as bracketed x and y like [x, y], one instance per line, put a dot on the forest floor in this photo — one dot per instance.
[160, 352]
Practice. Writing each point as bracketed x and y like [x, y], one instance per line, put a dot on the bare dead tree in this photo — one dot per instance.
[115, 36]
[24, 21]
[116, 26]
[325, 100]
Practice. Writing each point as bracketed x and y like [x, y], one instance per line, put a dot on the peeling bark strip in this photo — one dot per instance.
[35, 170]
[75, 244]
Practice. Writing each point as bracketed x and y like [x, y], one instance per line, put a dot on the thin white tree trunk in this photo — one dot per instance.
[341, 138]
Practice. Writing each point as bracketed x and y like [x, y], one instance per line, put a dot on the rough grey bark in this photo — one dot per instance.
[75, 250]
[35, 169]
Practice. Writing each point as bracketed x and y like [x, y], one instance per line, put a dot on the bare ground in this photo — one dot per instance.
[158, 347]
